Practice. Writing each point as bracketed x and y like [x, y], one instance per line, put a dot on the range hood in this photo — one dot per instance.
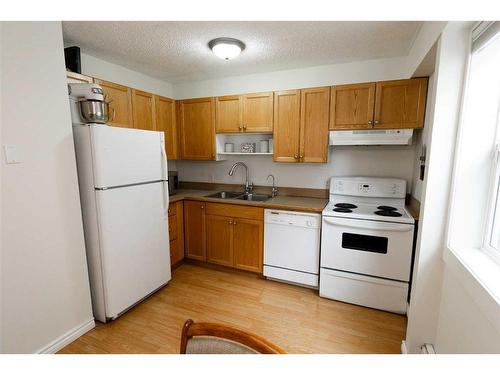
[371, 137]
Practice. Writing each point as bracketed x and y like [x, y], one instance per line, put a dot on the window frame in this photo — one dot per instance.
[493, 199]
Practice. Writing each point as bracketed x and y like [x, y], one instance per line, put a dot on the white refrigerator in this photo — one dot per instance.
[122, 175]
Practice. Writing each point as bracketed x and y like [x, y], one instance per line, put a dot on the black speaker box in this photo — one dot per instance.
[72, 59]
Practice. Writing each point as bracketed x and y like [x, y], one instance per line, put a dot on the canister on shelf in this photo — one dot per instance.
[264, 146]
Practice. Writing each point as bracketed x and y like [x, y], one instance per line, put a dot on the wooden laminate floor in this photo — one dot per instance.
[295, 318]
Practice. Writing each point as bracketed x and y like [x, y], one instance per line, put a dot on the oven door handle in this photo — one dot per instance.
[370, 225]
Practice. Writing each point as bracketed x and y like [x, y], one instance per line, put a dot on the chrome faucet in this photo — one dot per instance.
[274, 191]
[248, 186]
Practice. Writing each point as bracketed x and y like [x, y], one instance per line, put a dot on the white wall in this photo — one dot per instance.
[388, 161]
[44, 280]
[327, 75]
[95, 67]
[425, 39]
[427, 275]
[463, 327]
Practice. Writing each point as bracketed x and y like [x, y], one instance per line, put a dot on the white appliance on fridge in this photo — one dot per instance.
[122, 175]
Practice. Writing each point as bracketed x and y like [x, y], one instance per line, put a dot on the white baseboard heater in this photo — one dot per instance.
[427, 349]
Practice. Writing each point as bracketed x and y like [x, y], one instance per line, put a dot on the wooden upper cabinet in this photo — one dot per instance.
[400, 104]
[120, 107]
[229, 114]
[314, 115]
[352, 106]
[248, 244]
[286, 131]
[166, 122]
[73, 77]
[197, 123]
[258, 112]
[194, 230]
[219, 239]
[143, 109]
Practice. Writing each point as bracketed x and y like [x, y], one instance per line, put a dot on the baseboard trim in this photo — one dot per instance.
[67, 338]
[404, 349]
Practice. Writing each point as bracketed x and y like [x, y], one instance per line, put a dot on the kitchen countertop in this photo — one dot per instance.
[305, 204]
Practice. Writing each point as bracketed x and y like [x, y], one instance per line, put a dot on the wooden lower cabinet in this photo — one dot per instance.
[194, 230]
[226, 234]
[248, 244]
[176, 232]
[219, 240]
[234, 236]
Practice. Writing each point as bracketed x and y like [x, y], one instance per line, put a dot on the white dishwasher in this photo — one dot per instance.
[291, 246]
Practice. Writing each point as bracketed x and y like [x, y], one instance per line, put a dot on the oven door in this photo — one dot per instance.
[367, 247]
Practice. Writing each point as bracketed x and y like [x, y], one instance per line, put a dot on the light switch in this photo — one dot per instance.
[11, 154]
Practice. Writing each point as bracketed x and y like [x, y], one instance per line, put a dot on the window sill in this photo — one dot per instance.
[479, 275]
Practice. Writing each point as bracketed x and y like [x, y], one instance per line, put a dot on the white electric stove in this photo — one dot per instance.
[367, 243]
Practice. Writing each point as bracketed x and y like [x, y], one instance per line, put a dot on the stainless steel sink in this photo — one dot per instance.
[226, 194]
[254, 197]
[239, 195]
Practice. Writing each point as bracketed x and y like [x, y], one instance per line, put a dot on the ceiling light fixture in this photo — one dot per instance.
[226, 48]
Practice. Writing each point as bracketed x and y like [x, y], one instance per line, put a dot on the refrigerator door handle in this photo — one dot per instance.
[164, 160]
[166, 199]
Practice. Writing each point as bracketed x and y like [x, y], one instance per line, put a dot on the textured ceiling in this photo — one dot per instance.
[178, 52]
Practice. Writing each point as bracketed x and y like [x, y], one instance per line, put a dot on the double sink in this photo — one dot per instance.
[240, 195]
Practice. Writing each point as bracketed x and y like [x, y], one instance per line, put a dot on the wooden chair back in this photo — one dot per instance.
[252, 341]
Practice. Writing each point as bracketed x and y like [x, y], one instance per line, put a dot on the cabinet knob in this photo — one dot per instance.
[301, 157]
[240, 127]
[202, 207]
[376, 122]
[244, 127]
[370, 122]
[295, 156]
[230, 221]
[234, 222]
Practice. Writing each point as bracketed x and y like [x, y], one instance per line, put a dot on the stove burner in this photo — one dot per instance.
[387, 208]
[345, 205]
[341, 209]
[388, 213]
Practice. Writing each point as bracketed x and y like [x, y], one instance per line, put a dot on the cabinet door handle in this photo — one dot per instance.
[377, 122]
[370, 122]
[230, 221]
[202, 207]
[295, 156]
[234, 222]
[244, 127]
[301, 157]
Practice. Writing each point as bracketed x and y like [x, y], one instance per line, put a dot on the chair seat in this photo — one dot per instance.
[215, 345]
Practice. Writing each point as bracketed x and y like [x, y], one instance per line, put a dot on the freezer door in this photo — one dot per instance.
[126, 156]
[133, 234]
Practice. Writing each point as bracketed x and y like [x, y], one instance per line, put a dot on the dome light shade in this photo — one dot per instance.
[226, 48]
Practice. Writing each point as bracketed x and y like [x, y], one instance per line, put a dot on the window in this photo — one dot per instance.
[475, 206]
[492, 233]
[486, 57]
